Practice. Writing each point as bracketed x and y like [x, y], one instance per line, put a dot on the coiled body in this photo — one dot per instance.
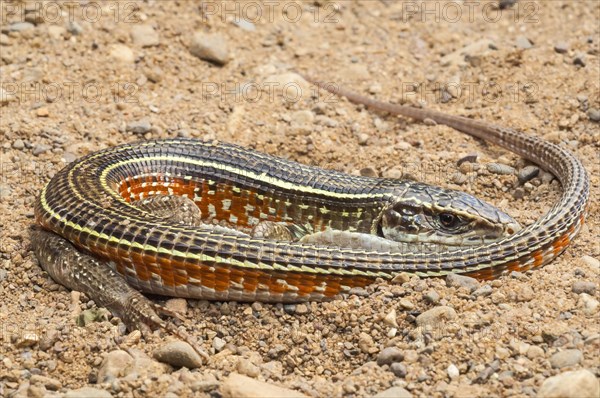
[88, 204]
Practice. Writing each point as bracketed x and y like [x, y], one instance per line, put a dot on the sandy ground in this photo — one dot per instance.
[78, 78]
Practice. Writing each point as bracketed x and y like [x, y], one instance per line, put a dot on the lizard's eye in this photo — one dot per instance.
[449, 220]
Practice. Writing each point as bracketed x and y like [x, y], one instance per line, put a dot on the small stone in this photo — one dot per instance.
[577, 384]
[368, 172]
[5, 191]
[524, 293]
[42, 112]
[40, 149]
[561, 47]
[213, 48]
[366, 343]
[402, 278]
[406, 304]
[584, 287]
[236, 386]
[27, 339]
[18, 144]
[394, 392]
[390, 318]
[500, 169]
[594, 114]
[20, 26]
[178, 354]
[453, 372]
[302, 118]
[590, 305]
[154, 74]
[122, 53]
[534, 352]
[566, 358]
[48, 339]
[139, 127]
[302, 309]
[389, 355]
[432, 296]
[455, 280]
[247, 368]
[88, 392]
[218, 344]
[74, 28]
[579, 60]
[528, 173]
[244, 25]
[178, 305]
[114, 365]
[144, 36]
[92, 315]
[436, 315]
[56, 32]
[398, 369]
[470, 158]
[483, 291]
[592, 262]
[523, 42]
[48, 382]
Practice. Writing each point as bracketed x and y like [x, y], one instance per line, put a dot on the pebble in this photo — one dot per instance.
[406, 304]
[535, 352]
[178, 305]
[302, 118]
[453, 371]
[5, 191]
[113, 366]
[591, 261]
[18, 144]
[455, 280]
[139, 127]
[178, 354]
[483, 291]
[40, 149]
[470, 158]
[398, 369]
[523, 42]
[237, 385]
[144, 36]
[27, 339]
[302, 309]
[389, 355]
[579, 60]
[577, 384]
[594, 114]
[436, 315]
[561, 47]
[56, 31]
[584, 287]
[122, 53]
[218, 344]
[390, 318]
[245, 25]
[590, 305]
[42, 112]
[48, 382]
[394, 392]
[368, 172]
[402, 278]
[20, 26]
[74, 28]
[528, 173]
[524, 293]
[88, 392]
[432, 296]
[213, 48]
[499, 168]
[48, 339]
[566, 358]
[245, 367]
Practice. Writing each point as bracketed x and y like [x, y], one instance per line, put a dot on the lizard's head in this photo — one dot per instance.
[426, 214]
